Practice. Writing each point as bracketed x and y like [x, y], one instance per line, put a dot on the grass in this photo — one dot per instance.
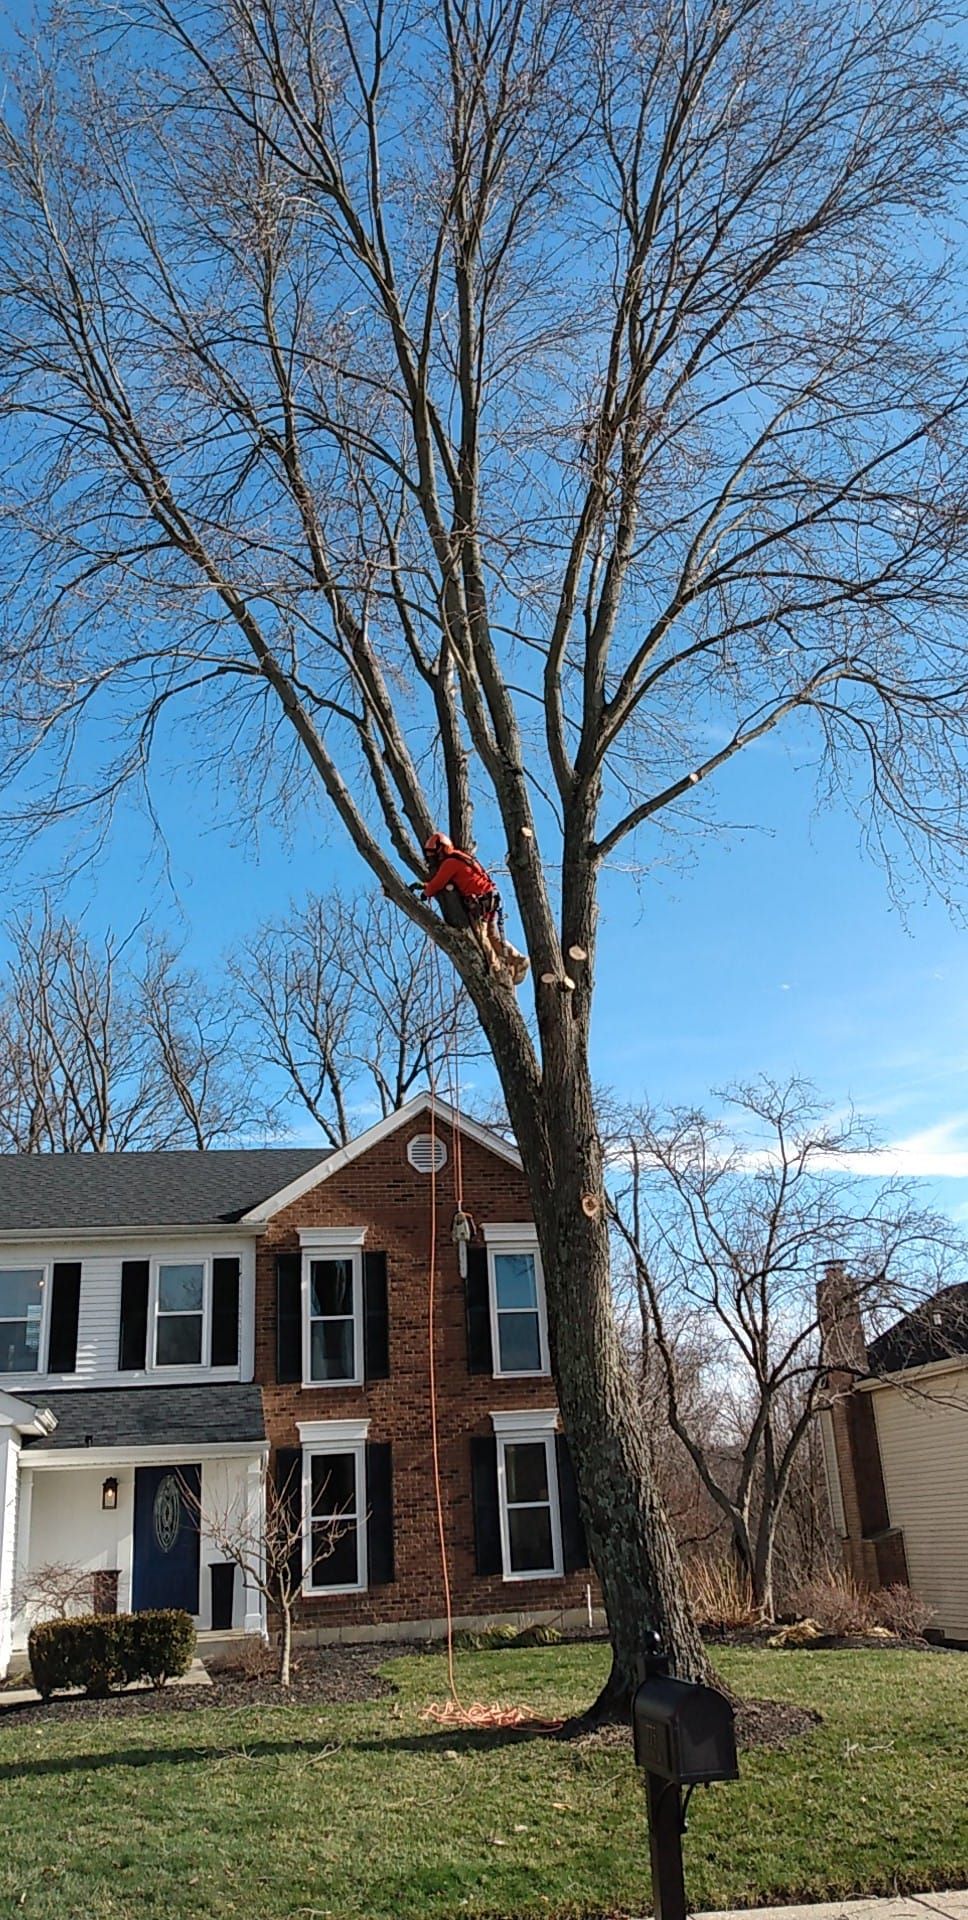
[364, 1812]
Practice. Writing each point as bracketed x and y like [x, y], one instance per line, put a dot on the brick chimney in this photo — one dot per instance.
[873, 1549]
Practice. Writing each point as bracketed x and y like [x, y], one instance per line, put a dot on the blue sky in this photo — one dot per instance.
[775, 949]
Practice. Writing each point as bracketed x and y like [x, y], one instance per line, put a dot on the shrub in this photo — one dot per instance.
[538, 1634]
[901, 1612]
[248, 1659]
[838, 1605]
[101, 1651]
[721, 1596]
[164, 1644]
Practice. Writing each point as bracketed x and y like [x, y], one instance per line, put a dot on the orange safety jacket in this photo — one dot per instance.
[462, 871]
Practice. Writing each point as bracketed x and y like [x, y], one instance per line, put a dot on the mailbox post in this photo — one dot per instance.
[684, 1738]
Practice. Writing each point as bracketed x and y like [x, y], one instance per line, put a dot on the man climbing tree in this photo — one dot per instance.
[494, 417]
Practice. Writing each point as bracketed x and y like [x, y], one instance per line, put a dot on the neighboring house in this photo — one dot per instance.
[896, 1450]
[145, 1299]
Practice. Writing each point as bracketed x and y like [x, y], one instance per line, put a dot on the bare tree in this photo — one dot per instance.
[271, 1546]
[103, 1049]
[191, 1034]
[728, 1225]
[522, 407]
[342, 999]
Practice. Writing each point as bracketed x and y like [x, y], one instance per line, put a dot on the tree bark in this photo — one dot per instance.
[631, 1542]
[285, 1647]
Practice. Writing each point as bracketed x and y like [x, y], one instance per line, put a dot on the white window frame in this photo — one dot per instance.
[203, 1260]
[332, 1243]
[319, 1440]
[516, 1238]
[529, 1429]
[44, 1268]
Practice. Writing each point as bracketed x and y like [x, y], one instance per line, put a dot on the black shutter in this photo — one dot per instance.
[65, 1305]
[573, 1542]
[379, 1513]
[477, 1303]
[288, 1480]
[133, 1344]
[288, 1316]
[487, 1518]
[376, 1318]
[225, 1312]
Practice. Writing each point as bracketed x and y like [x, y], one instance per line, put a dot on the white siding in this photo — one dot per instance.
[923, 1438]
[100, 1307]
[100, 1317]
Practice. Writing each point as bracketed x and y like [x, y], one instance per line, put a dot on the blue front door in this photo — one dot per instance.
[166, 1537]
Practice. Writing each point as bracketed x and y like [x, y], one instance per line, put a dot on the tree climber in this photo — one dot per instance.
[450, 867]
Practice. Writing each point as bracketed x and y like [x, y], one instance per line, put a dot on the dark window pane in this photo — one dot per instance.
[515, 1280]
[519, 1341]
[334, 1483]
[529, 1529]
[20, 1345]
[526, 1471]
[179, 1340]
[331, 1286]
[21, 1292]
[335, 1562]
[331, 1350]
[180, 1289]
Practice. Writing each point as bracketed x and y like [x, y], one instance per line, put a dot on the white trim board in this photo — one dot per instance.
[383, 1129]
[29, 1417]
[46, 1459]
[536, 1420]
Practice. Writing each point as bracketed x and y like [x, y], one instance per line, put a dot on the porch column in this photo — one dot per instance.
[253, 1602]
[9, 1464]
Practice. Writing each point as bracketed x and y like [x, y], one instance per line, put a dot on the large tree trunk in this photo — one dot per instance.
[632, 1544]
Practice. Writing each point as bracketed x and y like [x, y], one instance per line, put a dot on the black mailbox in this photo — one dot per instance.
[684, 1732]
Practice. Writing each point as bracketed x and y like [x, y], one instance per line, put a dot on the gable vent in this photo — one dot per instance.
[426, 1154]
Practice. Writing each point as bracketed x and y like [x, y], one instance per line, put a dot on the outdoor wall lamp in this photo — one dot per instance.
[109, 1495]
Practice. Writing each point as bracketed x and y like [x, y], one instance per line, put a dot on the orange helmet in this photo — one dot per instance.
[439, 843]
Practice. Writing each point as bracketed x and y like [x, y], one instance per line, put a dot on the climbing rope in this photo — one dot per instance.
[452, 1712]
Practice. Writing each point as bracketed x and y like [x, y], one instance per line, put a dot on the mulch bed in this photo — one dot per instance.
[332, 1676]
[765, 1724]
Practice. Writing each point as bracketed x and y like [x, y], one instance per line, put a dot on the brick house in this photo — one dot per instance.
[178, 1320]
[895, 1438]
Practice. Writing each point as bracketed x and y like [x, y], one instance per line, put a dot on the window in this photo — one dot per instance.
[334, 1507]
[180, 1313]
[333, 1306]
[21, 1319]
[518, 1330]
[527, 1479]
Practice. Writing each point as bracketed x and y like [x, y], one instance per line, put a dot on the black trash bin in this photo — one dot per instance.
[223, 1595]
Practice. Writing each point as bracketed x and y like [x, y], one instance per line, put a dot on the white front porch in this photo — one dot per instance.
[76, 1508]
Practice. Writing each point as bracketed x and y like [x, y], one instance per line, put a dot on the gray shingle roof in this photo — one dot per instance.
[936, 1330]
[151, 1416]
[50, 1191]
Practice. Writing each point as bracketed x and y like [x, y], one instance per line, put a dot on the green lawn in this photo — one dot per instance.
[362, 1812]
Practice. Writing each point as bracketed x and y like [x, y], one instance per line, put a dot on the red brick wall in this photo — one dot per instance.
[381, 1192]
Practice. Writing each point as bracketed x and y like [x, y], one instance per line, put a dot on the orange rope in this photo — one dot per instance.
[452, 1712]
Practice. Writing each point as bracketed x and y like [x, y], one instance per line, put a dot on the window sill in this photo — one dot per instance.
[322, 1593]
[330, 1386]
[548, 1573]
[528, 1373]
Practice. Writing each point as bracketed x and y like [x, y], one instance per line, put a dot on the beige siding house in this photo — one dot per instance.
[896, 1453]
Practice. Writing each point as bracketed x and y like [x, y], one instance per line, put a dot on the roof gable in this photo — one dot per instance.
[344, 1157]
